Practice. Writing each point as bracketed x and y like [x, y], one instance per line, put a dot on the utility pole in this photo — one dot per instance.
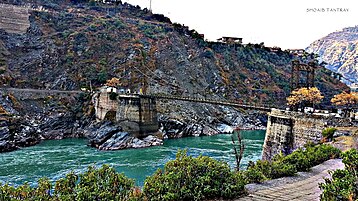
[150, 5]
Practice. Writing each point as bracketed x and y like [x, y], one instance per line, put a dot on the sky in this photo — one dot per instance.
[284, 23]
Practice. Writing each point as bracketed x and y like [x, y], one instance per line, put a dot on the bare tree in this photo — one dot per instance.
[241, 146]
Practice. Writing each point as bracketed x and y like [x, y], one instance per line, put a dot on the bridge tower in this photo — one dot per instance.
[302, 75]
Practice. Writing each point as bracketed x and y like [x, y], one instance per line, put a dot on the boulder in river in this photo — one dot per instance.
[110, 136]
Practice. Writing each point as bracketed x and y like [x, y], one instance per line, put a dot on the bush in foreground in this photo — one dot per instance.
[299, 160]
[304, 159]
[188, 178]
[344, 183]
[94, 184]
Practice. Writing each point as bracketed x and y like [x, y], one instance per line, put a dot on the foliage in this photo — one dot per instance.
[344, 183]
[113, 96]
[299, 160]
[254, 175]
[304, 95]
[273, 169]
[94, 184]
[188, 178]
[114, 82]
[346, 100]
[102, 76]
[304, 159]
[328, 133]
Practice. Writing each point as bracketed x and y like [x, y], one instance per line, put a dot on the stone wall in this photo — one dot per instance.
[287, 130]
[14, 19]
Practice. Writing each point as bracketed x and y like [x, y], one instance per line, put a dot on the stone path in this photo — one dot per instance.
[304, 186]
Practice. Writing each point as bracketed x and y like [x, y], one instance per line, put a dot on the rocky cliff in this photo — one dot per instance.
[340, 51]
[69, 46]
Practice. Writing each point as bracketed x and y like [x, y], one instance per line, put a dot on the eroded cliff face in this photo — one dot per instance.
[340, 50]
[71, 46]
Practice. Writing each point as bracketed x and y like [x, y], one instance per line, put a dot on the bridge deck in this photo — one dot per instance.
[266, 108]
[261, 107]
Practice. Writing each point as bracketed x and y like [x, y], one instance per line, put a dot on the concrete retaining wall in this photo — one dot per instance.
[287, 130]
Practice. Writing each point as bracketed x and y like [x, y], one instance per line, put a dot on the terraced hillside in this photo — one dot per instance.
[14, 19]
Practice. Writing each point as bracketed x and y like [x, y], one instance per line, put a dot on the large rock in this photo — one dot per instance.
[100, 133]
[110, 136]
[4, 133]
[5, 144]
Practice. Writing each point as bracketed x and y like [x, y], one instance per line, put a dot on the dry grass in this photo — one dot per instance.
[14, 101]
[345, 142]
[2, 110]
[353, 130]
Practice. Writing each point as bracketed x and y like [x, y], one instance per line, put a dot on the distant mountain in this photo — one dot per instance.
[340, 50]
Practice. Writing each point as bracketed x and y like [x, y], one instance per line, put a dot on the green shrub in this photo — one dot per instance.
[344, 183]
[254, 175]
[113, 96]
[188, 178]
[328, 133]
[304, 159]
[280, 169]
[94, 184]
[272, 170]
[282, 166]
[350, 160]
[299, 159]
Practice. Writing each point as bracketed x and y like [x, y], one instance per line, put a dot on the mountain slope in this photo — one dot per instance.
[340, 50]
[71, 46]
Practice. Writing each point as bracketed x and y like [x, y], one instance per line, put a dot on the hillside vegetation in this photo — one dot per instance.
[70, 46]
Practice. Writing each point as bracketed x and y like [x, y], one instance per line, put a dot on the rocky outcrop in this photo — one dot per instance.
[110, 136]
[340, 50]
[26, 121]
[68, 46]
[14, 133]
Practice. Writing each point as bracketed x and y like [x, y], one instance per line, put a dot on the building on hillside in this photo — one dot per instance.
[275, 49]
[230, 40]
[354, 87]
[297, 52]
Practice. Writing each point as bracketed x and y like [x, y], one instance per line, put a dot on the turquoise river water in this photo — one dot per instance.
[54, 158]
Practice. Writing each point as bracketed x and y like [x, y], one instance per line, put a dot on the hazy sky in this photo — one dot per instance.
[283, 23]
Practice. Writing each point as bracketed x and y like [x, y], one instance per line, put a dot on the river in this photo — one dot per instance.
[54, 158]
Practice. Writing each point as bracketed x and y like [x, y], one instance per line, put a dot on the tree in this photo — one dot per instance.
[346, 100]
[113, 82]
[240, 154]
[304, 96]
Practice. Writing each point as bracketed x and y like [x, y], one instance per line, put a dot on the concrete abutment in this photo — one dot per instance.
[287, 130]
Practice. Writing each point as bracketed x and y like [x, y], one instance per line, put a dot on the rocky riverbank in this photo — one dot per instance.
[110, 136]
[27, 120]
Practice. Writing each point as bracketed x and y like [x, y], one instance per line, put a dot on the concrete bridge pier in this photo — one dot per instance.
[135, 113]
